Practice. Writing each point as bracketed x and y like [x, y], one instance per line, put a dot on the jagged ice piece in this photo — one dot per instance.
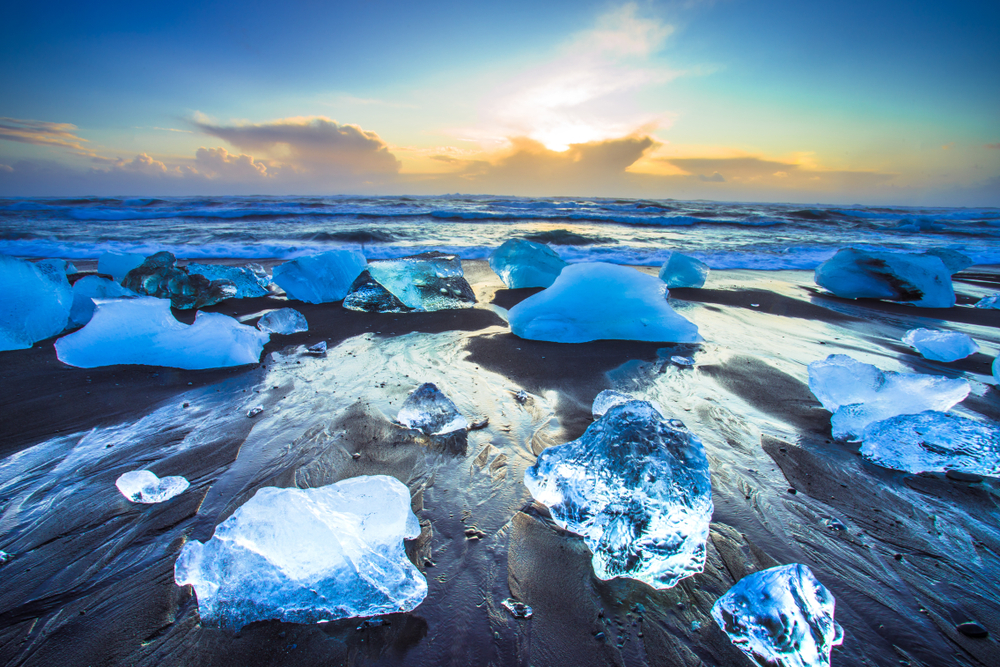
[922, 280]
[940, 345]
[118, 264]
[34, 304]
[88, 288]
[143, 486]
[953, 260]
[524, 263]
[683, 271]
[426, 282]
[991, 301]
[427, 409]
[250, 280]
[159, 276]
[321, 278]
[933, 442]
[283, 321]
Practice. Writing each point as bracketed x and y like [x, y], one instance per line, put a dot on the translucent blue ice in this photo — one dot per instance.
[143, 486]
[934, 442]
[283, 321]
[417, 283]
[683, 271]
[118, 264]
[250, 280]
[321, 278]
[991, 301]
[941, 345]
[429, 410]
[34, 303]
[524, 263]
[88, 288]
[922, 280]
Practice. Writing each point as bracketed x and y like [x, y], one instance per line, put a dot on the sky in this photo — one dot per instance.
[874, 102]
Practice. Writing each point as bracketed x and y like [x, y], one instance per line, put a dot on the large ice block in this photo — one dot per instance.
[597, 301]
[283, 321]
[308, 555]
[321, 278]
[422, 283]
[250, 280]
[429, 410]
[88, 288]
[637, 489]
[780, 617]
[858, 394]
[940, 345]
[524, 263]
[143, 331]
[118, 264]
[683, 271]
[34, 303]
[159, 276]
[143, 486]
[933, 442]
[922, 280]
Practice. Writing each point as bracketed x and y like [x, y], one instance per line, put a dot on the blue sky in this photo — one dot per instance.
[891, 102]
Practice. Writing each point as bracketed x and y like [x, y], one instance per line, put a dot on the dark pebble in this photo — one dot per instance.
[792, 491]
[972, 629]
[898, 556]
[960, 476]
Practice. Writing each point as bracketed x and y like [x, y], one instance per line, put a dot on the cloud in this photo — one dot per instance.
[313, 144]
[731, 167]
[142, 164]
[219, 163]
[716, 177]
[42, 133]
[995, 146]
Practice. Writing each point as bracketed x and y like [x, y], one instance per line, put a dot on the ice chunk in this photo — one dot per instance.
[34, 304]
[143, 486]
[940, 345]
[637, 489]
[524, 263]
[308, 555]
[320, 278]
[858, 394]
[683, 271]
[88, 288]
[55, 267]
[250, 280]
[991, 301]
[283, 321]
[609, 398]
[933, 442]
[922, 280]
[953, 260]
[143, 331]
[118, 264]
[598, 301]
[319, 349]
[430, 411]
[158, 276]
[426, 282]
[781, 617]
[996, 369]
[517, 608]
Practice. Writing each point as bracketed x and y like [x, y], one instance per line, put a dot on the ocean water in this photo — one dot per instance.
[623, 231]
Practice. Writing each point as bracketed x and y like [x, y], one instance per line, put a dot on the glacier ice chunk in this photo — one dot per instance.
[159, 276]
[683, 271]
[940, 345]
[34, 303]
[321, 278]
[953, 260]
[283, 321]
[143, 486]
[637, 489]
[143, 331]
[118, 264]
[991, 301]
[933, 442]
[427, 409]
[308, 555]
[250, 280]
[596, 301]
[781, 617]
[609, 398]
[422, 283]
[858, 394]
[88, 288]
[56, 267]
[524, 263]
[922, 280]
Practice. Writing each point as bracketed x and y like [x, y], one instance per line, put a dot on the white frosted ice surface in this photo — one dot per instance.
[250, 280]
[118, 264]
[143, 486]
[283, 321]
[308, 555]
[143, 331]
[858, 394]
[422, 283]
[637, 489]
[683, 271]
[321, 278]
[780, 617]
[991, 301]
[429, 410]
[34, 303]
[524, 263]
[88, 288]
[685, 362]
[933, 442]
[940, 345]
[922, 280]
[609, 398]
[596, 301]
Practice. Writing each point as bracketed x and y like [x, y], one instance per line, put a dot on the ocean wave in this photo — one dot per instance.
[566, 237]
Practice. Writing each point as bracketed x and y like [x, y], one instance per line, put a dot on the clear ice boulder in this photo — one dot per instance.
[250, 280]
[160, 277]
[941, 345]
[34, 304]
[322, 278]
[427, 409]
[921, 280]
[418, 283]
[683, 271]
[143, 486]
[118, 264]
[88, 288]
[283, 321]
[524, 263]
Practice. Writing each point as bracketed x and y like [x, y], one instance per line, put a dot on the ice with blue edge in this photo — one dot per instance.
[991, 301]
[143, 486]
[941, 345]
[683, 271]
[34, 303]
[418, 283]
[308, 556]
[88, 288]
[56, 266]
[283, 321]
[780, 617]
[251, 280]
[321, 278]
[524, 263]
[118, 264]
[639, 491]
[859, 394]
[598, 301]
[610, 398]
[427, 409]
[933, 441]
[922, 280]
[144, 331]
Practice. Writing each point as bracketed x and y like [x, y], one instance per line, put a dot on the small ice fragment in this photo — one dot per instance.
[88, 288]
[480, 423]
[524, 263]
[34, 304]
[521, 396]
[250, 280]
[940, 345]
[834, 524]
[118, 264]
[430, 411]
[933, 442]
[159, 276]
[637, 489]
[755, 305]
[5, 557]
[991, 301]
[422, 283]
[682, 361]
[922, 280]
[143, 486]
[319, 349]
[321, 278]
[517, 608]
[371, 623]
[780, 616]
[255, 410]
[284, 321]
[683, 271]
[308, 555]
